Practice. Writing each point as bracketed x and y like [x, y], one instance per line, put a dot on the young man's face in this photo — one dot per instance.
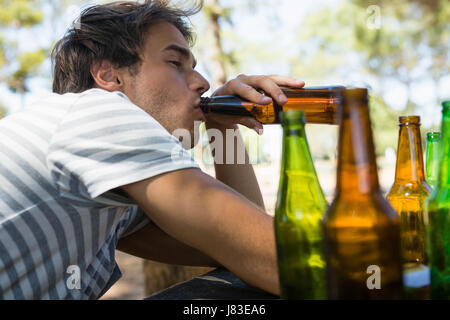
[166, 85]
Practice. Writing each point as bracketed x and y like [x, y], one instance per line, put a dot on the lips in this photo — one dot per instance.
[199, 110]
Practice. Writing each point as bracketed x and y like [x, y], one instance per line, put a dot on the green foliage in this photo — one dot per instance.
[384, 124]
[20, 13]
[2, 111]
[409, 29]
[29, 63]
[16, 66]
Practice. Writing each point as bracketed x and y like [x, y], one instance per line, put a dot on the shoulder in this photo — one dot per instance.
[97, 96]
[68, 102]
[107, 109]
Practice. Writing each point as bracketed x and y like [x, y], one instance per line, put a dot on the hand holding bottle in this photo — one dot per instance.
[248, 88]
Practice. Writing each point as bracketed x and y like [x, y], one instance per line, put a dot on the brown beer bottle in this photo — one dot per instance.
[410, 190]
[407, 197]
[318, 103]
[362, 232]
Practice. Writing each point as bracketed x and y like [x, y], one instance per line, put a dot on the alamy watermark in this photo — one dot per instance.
[374, 281]
[220, 149]
[74, 280]
[373, 21]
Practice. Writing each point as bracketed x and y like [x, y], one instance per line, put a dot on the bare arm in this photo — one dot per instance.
[241, 176]
[196, 209]
[151, 243]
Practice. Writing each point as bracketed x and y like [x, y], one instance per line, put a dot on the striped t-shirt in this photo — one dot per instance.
[61, 215]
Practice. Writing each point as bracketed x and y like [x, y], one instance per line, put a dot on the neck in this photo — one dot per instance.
[295, 148]
[357, 169]
[444, 152]
[409, 167]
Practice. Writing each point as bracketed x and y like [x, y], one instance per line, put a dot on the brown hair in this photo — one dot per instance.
[116, 32]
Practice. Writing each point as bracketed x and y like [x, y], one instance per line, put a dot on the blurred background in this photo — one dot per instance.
[399, 49]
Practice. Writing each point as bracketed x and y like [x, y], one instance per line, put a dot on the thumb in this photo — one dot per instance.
[253, 124]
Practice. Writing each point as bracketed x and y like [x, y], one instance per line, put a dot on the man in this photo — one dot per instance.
[94, 167]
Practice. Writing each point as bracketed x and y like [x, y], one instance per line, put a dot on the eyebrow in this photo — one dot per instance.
[181, 50]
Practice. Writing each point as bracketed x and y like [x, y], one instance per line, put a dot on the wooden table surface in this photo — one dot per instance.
[221, 284]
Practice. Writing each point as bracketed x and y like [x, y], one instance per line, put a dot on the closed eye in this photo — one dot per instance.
[176, 63]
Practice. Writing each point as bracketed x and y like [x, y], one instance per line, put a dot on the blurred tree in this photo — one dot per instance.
[20, 13]
[214, 12]
[2, 111]
[21, 20]
[17, 66]
[409, 43]
[412, 43]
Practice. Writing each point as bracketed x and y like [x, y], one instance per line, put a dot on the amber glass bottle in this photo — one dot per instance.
[318, 103]
[410, 190]
[362, 230]
[407, 197]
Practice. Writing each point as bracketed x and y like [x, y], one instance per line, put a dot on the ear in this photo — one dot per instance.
[106, 76]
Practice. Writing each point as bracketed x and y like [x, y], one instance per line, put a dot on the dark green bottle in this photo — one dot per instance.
[432, 162]
[438, 210]
[298, 215]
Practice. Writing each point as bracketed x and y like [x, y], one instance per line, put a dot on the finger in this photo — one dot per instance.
[249, 122]
[287, 81]
[253, 124]
[269, 86]
[242, 86]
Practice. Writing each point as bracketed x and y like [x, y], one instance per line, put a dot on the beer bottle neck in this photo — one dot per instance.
[298, 178]
[444, 152]
[432, 157]
[409, 167]
[357, 169]
[295, 154]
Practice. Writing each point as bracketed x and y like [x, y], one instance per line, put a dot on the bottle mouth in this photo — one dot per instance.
[409, 120]
[292, 117]
[353, 93]
[203, 102]
[433, 136]
[446, 105]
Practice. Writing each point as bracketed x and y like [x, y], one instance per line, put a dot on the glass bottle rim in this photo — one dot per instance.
[409, 120]
[292, 117]
[446, 105]
[433, 135]
[352, 93]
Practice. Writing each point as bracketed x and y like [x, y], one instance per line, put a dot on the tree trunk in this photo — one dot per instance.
[159, 276]
[218, 72]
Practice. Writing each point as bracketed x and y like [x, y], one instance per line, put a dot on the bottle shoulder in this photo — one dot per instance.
[409, 190]
[368, 210]
[310, 201]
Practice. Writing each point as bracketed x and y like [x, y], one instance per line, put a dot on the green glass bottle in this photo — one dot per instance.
[298, 214]
[432, 163]
[438, 211]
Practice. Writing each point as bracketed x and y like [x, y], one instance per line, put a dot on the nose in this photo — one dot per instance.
[199, 83]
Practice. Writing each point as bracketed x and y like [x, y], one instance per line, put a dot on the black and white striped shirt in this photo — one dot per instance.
[60, 218]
